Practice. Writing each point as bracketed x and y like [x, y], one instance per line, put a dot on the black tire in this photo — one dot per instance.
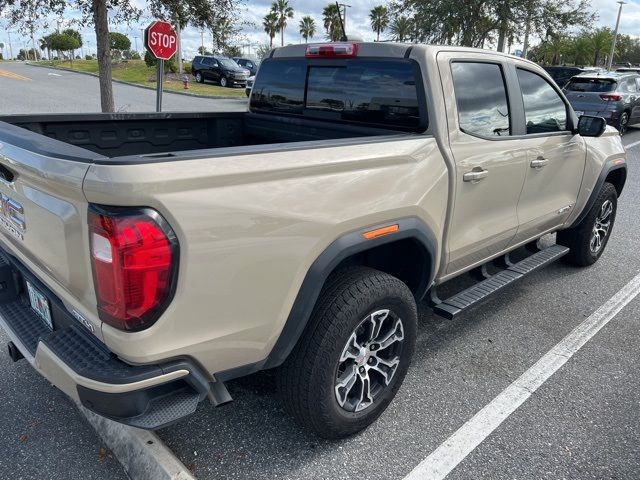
[579, 238]
[307, 380]
[623, 123]
[199, 77]
[224, 82]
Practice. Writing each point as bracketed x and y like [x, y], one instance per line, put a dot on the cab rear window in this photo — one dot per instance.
[591, 85]
[381, 93]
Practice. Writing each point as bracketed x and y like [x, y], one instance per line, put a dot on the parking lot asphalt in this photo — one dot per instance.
[29, 89]
[583, 423]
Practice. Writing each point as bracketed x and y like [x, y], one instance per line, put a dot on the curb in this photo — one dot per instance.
[123, 82]
[142, 454]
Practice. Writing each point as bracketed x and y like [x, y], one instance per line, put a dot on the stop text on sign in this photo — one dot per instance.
[161, 40]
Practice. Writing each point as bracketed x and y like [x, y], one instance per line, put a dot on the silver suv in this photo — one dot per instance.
[613, 95]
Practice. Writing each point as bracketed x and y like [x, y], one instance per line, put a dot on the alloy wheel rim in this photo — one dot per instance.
[369, 360]
[223, 82]
[199, 77]
[601, 227]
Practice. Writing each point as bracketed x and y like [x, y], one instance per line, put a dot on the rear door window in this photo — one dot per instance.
[481, 97]
[598, 85]
[383, 93]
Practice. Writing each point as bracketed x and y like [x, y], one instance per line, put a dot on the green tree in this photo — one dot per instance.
[270, 24]
[401, 28]
[600, 43]
[118, 43]
[307, 28]
[62, 42]
[30, 54]
[75, 34]
[332, 22]
[379, 17]
[283, 11]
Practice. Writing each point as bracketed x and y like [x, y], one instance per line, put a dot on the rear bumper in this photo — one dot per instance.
[144, 396]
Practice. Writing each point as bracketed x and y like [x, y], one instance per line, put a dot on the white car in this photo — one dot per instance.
[249, 85]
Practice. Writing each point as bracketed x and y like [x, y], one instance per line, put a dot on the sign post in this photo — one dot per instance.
[162, 42]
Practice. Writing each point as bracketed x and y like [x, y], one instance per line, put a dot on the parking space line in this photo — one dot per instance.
[631, 145]
[456, 448]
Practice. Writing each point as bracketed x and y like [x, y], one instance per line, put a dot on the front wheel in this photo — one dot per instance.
[199, 77]
[224, 82]
[354, 354]
[588, 239]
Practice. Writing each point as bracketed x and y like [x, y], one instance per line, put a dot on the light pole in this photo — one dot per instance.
[615, 35]
[344, 19]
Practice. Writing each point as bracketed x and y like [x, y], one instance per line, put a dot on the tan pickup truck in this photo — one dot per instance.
[147, 259]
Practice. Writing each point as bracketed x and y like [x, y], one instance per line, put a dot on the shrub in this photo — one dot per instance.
[88, 57]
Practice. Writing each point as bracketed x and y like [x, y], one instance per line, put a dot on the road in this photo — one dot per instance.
[29, 89]
[583, 423]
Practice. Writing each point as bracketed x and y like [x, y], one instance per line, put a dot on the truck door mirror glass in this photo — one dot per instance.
[591, 126]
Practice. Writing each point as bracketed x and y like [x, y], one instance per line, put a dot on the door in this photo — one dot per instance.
[555, 158]
[489, 162]
[206, 68]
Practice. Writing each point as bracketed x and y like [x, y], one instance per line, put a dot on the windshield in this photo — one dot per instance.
[591, 85]
[225, 62]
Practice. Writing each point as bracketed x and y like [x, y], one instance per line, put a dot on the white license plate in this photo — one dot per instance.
[40, 305]
[579, 113]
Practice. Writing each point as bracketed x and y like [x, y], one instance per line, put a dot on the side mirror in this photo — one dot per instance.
[591, 126]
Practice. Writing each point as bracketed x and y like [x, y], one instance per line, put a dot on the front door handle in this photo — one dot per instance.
[539, 162]
[475, 176]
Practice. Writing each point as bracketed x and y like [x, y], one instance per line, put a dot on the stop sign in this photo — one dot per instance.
[161, 40]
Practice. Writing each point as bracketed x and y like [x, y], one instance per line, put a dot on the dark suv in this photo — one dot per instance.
[249, 64]
[561, 75]
[222, 70]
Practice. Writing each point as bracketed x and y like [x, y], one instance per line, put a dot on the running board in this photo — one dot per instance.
[453, 306]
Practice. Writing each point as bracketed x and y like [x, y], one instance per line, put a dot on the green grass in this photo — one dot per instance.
[136, 71]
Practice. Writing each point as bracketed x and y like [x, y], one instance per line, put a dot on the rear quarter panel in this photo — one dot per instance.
[249, 228]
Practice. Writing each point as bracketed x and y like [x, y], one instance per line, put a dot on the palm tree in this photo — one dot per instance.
[45, 44]
[283, 10]
[270, 24]
[401, 28]
[600, 42]
[307, 28]
[331, 20]
[379, 17]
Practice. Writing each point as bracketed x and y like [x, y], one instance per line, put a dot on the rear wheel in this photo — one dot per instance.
[199, 77]
[623, 123]
[589, 238]
[354, 355]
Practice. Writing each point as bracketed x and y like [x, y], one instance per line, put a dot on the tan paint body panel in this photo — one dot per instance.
[250, 226]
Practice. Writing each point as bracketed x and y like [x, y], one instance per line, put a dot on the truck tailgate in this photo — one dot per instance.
[43, 214]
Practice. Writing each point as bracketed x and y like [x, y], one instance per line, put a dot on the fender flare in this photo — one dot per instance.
[340, 249]
[606, 170]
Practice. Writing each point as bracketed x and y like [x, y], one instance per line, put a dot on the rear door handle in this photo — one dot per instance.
[539, 162]
[475, 176]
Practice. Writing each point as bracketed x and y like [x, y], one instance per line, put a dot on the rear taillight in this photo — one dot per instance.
[611, 97]
[332, 50]
[134, 254]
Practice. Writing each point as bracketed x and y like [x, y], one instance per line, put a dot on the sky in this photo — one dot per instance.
[253, 35]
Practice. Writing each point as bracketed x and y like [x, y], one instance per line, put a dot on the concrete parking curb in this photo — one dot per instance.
[142, 454]
[131, 84]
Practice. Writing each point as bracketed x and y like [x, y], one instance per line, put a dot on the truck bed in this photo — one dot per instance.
[155, 136]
